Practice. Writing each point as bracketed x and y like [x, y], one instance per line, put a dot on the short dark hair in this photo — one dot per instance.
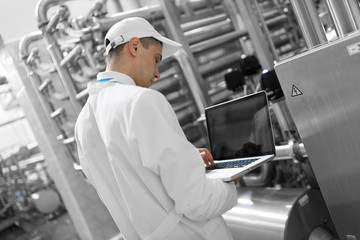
[146, 42]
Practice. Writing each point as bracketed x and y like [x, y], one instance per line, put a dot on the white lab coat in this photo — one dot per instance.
[152, 180]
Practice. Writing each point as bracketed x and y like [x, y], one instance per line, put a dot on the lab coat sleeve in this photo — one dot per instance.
[163, 147]
[80, 151]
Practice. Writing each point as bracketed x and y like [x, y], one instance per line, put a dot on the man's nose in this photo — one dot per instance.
[157, 74]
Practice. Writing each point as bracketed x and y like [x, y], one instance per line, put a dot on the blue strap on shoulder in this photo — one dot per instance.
[104, 80]
[107, 80]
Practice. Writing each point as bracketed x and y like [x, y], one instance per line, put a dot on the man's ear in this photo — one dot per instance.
[133, 46]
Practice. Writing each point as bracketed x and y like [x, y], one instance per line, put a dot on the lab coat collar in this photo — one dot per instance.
[120, 78]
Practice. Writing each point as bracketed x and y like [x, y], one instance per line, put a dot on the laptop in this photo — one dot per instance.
[240, 136]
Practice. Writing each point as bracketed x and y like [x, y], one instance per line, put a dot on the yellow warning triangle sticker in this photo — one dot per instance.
[295, 91]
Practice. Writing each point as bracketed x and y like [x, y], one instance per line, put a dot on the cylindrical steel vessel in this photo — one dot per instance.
[276, 214]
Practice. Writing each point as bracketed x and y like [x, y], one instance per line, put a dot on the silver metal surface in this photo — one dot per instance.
[216, 41]
[288, 151]
[206, 32]
[355, 11]
[277, 214]
[309, 22]
[203, 22]
[283, 116]
[268, 210]
[342, 16]
[321, 88]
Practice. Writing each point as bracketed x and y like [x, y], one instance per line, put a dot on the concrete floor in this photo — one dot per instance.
[59, 228]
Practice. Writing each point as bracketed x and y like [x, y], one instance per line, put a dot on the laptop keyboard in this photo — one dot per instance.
[233, 164]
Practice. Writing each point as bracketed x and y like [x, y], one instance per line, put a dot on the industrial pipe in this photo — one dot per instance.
[24, 45]
[201, 100]
[71, 56]
[206, 32]
[342, 13]
[221, 63]
[203, 22]
[355, 12]
[42, 8]
[309, 22]
[55, 19]
[216, 41]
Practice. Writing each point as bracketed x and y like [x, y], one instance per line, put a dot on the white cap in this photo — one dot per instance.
[124, 30]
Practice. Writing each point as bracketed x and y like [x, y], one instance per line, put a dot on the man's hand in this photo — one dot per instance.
[237, 180]
[206, 156]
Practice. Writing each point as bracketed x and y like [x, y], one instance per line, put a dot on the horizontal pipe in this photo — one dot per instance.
[203, 22]
[216, 41]
[171, 84]
[183, 106]
[277, 21]
[71, 55]
[270, 14]
[196, 5]
[151, 12]
[288, 151]
[176, 96]
[44, 84]
[57, 112]
[167, 70]
[148, 12]
[220, 63]
[206, 32]
[220, 95]
[82, 94]
[281, 40]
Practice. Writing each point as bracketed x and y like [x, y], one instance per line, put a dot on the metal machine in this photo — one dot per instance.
[54, 65]
[321, 89]
[273, 214]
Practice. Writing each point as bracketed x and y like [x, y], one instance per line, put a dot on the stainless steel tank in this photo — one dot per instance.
[276, 214]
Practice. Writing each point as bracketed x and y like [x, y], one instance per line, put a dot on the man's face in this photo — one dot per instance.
[148, 69]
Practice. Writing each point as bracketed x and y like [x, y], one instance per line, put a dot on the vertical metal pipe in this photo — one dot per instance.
[316, 22]
[309, 22]
[258, 37]
[266, 30]
[342, 16]
[355, 10]
[172, 18]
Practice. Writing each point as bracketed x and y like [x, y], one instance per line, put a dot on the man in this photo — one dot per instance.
[134, 152]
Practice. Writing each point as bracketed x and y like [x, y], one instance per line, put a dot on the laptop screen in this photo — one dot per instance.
[240, 128]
